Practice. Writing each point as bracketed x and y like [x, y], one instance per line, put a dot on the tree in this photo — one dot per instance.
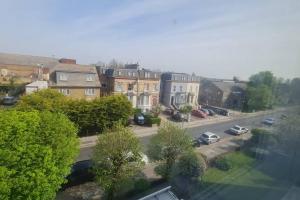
[117, 157]
[166, 146]
[259, 98]
[156, 110]
[36, 153]
[295, 91]
[186, 109]
[186, 173]
[47, 99]
[259, 93]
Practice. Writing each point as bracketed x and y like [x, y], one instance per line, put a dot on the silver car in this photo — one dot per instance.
[238, 130]
[209, 137]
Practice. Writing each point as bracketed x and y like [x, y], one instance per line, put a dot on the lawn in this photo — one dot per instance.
[247, 179]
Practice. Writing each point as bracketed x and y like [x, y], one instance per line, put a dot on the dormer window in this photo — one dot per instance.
[63, 77]
[89, 77]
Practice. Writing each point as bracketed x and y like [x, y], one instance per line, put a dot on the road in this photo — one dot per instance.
[219, 128]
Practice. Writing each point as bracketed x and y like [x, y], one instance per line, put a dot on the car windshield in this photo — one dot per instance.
[236, 127]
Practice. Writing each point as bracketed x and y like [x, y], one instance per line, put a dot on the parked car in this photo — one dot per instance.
[204, 110]
[139, 119]
[209, 137]
[268, 121]
[9, 100]
[238, 130]
[169, 111]
[179, 117]
[80, 173]
[198, 113]
[211, 112]
[196, 142]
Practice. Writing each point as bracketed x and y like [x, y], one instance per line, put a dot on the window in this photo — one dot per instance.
[119, 87]
[174, 88]
[130, 87]
[64, 91]
[89, 77]
[155, 75]
[156, 87]
[181, 88]
[147, 75]
[63, 77]
[133, 73]
[129, 73]
[103, 85]
[191, 89]
[130, 98]
[90, 91]
[119, 73]
[146, 86]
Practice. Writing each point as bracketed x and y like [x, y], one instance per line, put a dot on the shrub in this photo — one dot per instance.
[262, 136]
[150, 120]
[137, 111]
[141, 185]
[222, 163]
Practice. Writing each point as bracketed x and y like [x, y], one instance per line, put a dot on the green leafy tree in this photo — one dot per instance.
[259, 98]
[187, 173]
[117, 157]
[47, 99]
[260, 91]
[37, 150]
[295, 91]
[186, 109]
[166, 146]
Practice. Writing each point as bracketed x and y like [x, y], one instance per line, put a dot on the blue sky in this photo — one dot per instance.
[214, 38]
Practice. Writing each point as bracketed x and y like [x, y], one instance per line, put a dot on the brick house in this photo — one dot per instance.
[141, 86]
[222, 93]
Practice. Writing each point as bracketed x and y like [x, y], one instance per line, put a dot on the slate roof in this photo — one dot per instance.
[229, 86]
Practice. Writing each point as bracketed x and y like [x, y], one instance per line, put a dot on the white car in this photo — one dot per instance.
[209, 137]
[238, 130]
[268, 121]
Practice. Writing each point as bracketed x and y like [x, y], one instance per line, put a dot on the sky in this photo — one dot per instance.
[212, 38]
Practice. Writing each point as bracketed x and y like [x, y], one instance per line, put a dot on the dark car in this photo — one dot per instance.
[139, 119]
[80, 173]
[205, 111]
[179, 117]
[211, 112]
[9, 100]
[198, 113]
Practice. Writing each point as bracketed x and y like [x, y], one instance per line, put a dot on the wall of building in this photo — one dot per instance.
[79, 93]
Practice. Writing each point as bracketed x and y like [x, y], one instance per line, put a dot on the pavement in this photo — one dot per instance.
[218, 125]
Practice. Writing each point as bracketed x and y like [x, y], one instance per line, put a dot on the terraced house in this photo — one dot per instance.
[141, 86]
[75, 81]
[178, 89]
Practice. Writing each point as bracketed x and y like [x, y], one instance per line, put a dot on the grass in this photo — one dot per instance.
[247, 179]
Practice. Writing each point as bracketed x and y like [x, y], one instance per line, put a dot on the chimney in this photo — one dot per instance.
[67, 61]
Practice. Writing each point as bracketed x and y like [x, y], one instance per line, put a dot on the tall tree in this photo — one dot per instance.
[37, 150]
[117, 157]
[295, 91]
[166, 146]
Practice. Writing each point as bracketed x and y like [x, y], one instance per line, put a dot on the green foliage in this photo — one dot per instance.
[295, 91]
[43, 100]
[167, 145]
[186, 173]
[186, 109]
[223, 163]
[137, 111]
[90, 116]
[259, 98]
[156, 110]
[117, 158]
[36, 153]
[150, 120]
[190, 166]
[262, 137]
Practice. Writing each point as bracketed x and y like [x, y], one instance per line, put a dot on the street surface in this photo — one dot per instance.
[220, 128]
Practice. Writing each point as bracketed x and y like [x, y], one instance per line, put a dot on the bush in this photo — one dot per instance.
[150, 120]
[141, 185]
[222, 163]
[137, 111]
[262, 136]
